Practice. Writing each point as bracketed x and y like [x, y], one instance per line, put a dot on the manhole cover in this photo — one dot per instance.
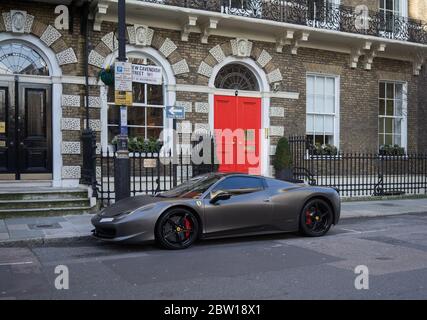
[36, 226]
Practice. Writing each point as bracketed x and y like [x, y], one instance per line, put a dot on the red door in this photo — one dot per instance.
[237, 123]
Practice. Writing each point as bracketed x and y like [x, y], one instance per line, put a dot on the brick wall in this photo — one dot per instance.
[358, 87]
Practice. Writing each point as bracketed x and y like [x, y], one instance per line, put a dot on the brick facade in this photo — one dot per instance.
[192, 63]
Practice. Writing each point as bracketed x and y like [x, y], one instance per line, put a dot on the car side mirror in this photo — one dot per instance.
[220, 195]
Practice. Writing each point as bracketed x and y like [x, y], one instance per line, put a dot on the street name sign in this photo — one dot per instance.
[174, 112]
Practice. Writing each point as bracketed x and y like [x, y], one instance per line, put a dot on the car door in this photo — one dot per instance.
[247, 210]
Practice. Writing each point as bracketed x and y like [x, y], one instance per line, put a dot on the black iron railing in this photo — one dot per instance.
[314, 13]
[152, 172]
[360, 174]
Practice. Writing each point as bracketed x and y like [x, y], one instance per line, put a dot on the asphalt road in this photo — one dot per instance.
[269, 267]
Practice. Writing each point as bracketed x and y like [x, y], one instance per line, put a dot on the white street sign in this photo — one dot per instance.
[146, 74]
[123, 76]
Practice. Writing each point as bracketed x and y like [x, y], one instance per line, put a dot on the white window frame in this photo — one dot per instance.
[404, 123]
[141, 105]
[336, 133]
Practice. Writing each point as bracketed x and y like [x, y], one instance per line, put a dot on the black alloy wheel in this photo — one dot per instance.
[177, 229]
[316, 218]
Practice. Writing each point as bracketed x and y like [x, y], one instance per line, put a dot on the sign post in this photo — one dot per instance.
[174, 113]
[123, 98]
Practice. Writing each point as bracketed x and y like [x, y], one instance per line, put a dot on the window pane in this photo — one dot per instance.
[137, 132]
[136, 116]
[382, 90]
[320, 85]
[388, 139]
[390, 90]
[318, 124]
[381, 139]
[138, 92]
[329, 104]
[381, 125]
[154, 94]
[318, 139]
[155, 117]
[310, 123]
[310, 85]
[239, 183]
[388, 125]
[330, 86]
[382, 107]
[397, 139]
[329, 125]
[310, 103]
[390, 108]
[398, 105]
[319, 103]
[397, 126]
[399, 91]
[154, 133]
[329, 139]
[113, 115]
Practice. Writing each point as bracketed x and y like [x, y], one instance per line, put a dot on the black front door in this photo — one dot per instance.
[25, 131]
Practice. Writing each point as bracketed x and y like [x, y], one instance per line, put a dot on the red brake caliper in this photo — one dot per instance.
[307, 217]
[187, 225]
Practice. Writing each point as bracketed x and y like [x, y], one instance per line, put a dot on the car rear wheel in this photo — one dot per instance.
[177, 229]
[316, 218]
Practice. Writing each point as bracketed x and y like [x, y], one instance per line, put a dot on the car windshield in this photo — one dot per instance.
[192, 188]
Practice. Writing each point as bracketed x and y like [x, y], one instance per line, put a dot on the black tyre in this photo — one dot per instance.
[316, 218]
[177, 229]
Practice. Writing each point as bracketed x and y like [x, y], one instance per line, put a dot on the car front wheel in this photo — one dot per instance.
[177, 229]
[316, 218]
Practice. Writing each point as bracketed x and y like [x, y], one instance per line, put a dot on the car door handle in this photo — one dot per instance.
[266, 200]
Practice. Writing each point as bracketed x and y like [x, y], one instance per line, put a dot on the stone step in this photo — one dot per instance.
[43, 212]
[41, 194]
[43, 203]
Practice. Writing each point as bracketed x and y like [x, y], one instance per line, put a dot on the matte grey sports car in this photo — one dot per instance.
[219, 205]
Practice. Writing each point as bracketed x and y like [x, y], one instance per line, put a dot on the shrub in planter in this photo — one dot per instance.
[139, 144]
[391, 150]
[323, 150]
[282, 162]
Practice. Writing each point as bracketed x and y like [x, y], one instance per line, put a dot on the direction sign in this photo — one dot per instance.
[174, 112]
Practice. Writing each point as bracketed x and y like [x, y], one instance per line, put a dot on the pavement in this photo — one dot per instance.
[45, 230]
[392, 251]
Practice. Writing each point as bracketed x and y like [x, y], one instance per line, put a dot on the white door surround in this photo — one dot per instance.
[54, 79]
[265, 103]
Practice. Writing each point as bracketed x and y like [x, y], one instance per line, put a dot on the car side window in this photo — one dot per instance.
[239, 185]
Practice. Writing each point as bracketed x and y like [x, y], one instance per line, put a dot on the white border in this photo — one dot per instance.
[55, 73]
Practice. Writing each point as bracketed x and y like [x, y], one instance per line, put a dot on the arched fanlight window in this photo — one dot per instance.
[17, 58]
[237, 77]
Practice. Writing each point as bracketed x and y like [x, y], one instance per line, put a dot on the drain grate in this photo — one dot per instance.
[36, 226]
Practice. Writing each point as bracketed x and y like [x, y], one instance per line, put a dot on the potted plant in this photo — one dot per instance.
[391, 150]
[282, 162]
[107, 75]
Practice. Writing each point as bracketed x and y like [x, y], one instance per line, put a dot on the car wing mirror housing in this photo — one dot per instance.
[219, 195]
